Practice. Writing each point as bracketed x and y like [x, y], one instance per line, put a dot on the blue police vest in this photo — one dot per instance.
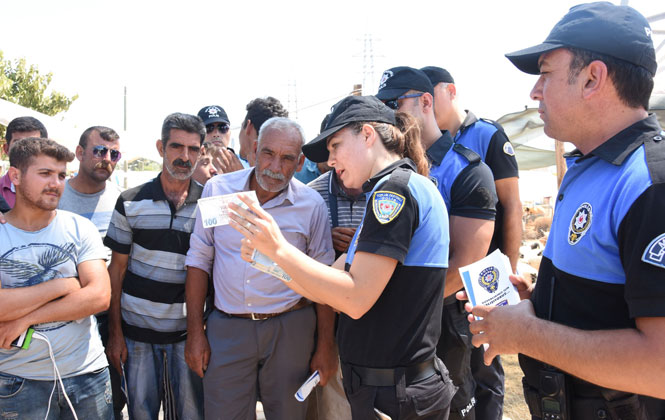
[446, 168]
[429, 245]
[594, 197]
[476, 137]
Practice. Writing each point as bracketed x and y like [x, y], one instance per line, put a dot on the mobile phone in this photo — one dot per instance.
[24, 340]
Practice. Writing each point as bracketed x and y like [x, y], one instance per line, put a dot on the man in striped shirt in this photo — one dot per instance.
[149, 236]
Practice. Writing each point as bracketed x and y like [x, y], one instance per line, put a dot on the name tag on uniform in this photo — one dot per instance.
[215, 210]
[487, 281]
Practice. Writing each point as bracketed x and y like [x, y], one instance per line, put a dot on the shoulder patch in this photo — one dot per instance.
[508, 149]
[387, 205]
[580, 223]
[654, 253]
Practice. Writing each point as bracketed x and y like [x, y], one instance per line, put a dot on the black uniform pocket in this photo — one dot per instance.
[431, 395]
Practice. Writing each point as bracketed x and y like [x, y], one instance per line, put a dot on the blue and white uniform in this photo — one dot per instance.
[406, 220]
[604, 263]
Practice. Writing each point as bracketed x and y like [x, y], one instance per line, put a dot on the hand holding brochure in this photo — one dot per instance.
[308, 386]
[215, 210]
[487, 281]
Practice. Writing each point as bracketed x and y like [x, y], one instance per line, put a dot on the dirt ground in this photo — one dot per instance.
[514, 407]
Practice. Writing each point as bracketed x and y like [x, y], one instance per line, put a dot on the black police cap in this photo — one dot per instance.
[617, 31]
[212, 114]
[398, 80]
[437, 75]
[349, 110]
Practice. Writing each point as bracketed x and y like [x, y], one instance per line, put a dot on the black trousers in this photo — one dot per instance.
[454, 349]
[489, 385]
[427, 399]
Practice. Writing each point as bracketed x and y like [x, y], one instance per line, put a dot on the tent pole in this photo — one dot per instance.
[560, 162]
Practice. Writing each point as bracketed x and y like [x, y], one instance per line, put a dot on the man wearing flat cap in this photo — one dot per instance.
[591, 334]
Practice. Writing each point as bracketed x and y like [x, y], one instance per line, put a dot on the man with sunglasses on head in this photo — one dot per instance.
[467, 188]
[218, 132]
[90, 195]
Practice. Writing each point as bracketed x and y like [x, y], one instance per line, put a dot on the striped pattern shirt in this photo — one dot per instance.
[350, 210]
[147, 226]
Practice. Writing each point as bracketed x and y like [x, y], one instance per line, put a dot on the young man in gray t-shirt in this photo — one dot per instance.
[53, 278]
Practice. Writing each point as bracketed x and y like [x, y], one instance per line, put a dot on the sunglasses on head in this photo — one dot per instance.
[223, 128]
[100, 152]
[392, 104]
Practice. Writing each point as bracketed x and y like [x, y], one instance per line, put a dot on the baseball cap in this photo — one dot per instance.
[397, 80]
[617, 31]
[212, 114]
[437, 75]
[348, 110]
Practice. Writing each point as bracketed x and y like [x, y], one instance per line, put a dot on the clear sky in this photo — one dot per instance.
[180, 56]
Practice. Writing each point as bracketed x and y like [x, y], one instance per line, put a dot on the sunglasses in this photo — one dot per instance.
[223, 128]
[100, 152]
[392, 104]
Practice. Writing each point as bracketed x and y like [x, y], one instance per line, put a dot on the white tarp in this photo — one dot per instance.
[534, 149]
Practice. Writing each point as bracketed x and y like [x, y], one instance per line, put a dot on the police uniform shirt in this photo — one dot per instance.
[605, 249]
[604, 263]
[464, 181]
[488, 139]
[405, 219]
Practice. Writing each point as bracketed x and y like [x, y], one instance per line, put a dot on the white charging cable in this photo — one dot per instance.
[56, 376]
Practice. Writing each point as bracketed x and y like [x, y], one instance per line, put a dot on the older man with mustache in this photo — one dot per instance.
[260, 338]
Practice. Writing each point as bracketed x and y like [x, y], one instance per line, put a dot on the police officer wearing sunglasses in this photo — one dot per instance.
[218, 132]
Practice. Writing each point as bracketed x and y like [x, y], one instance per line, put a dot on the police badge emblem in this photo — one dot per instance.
[384, 78]
[654, 253]
[489, 279]
[212, 111]
[580, 223]
[386, 206]
[508, 149]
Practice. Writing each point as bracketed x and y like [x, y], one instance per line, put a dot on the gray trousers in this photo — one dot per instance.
[248, 358]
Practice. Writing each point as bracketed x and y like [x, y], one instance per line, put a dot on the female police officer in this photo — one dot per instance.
[391, 291]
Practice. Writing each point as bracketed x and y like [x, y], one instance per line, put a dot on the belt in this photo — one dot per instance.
[260, 317]
[388, 377]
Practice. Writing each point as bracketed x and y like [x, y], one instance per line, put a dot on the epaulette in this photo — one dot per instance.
[654, 149]
[469, 154]
[400, 176]
[494, 123]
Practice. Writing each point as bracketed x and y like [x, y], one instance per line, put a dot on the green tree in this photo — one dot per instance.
[24, 85]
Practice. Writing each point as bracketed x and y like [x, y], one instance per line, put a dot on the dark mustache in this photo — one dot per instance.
[182, 163]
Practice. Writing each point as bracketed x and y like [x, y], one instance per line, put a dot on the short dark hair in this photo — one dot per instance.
[105, 133]
[26, 149]
[632, 83]
[24, 124]
[185, 122]
[260, 110]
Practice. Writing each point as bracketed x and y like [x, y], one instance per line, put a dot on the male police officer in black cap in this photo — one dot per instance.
[467, 188]
[218, 132]
[592, 336]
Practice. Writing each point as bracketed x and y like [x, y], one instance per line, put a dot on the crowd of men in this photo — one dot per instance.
[189, 328]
